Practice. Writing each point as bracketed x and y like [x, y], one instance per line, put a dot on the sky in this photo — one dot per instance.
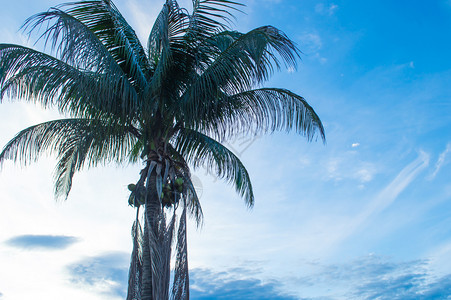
[365, 216]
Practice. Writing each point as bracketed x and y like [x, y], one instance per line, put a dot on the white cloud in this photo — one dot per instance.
[332, 8]
[440, 258]
[354, 145]
[311, 41]
[311, 44]
[348, 167]
[328, 10]
[344, 227]
[389, 194]
[364, 175]
[440, 162]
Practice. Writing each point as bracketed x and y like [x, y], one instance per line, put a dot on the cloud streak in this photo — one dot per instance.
[384, 199]
[48, 242]
[441, 161]
[389, 194]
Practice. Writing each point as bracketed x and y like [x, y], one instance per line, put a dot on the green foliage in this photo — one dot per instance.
[198, 83]
[192, 87]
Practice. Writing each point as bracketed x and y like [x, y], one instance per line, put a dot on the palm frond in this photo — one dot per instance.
[264, 110]
[168, 30]
[199, 149]
[32, 75]
[106, 22]
[76, 142]
[99, 23]
[233, 63]
[167, 53]
[191, 198]
[210, 16]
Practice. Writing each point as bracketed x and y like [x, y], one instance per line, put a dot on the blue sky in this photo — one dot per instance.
[366, 216]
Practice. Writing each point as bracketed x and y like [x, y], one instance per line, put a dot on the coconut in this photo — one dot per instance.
[166, 201]
[131, 187]
[179, 181]
[131, 200]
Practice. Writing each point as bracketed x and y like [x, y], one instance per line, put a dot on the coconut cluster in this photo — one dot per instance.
[170, 195]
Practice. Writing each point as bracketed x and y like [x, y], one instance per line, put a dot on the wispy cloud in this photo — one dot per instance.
[377, 277]
[368, 277]
[382, 200]
[311, 42]
[105, 274]
[323, 9]
[440, 162]
[206, 284]
[407, 280]
[396, 186]
[48, 242]
[364, 175]
[347, 167]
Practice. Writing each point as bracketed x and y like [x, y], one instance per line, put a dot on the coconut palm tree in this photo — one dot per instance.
[168, 106]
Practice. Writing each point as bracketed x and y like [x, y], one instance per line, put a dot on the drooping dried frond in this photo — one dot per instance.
[160, 241]
[180, 287]
[136, 262]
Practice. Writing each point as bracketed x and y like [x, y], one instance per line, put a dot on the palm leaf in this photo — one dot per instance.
[191, 198]
[105, 21]
[199, 149]
[264, 110]
[234, 63]
[76, 142]
[33, 75]
[210, 16]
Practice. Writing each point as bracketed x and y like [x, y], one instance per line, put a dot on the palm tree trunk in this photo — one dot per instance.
[157, 238]
[147, 266]
[151, 213]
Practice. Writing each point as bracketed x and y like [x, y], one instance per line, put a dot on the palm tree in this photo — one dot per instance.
[168, 106]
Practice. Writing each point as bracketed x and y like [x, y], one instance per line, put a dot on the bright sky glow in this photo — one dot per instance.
[365, 216]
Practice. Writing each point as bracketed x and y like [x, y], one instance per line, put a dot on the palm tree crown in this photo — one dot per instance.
[169, 104]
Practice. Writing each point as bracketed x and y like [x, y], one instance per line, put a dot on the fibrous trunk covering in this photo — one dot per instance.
[180, 289]
[136, 262]
[149, 276]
